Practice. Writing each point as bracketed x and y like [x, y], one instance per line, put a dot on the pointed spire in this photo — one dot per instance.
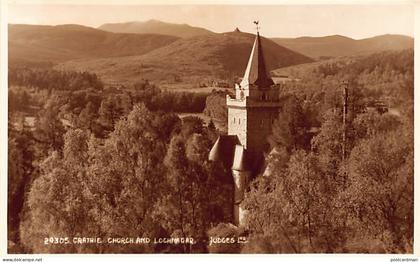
[256, 70]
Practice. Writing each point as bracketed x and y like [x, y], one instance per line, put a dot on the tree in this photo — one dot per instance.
[197, 148]
[49, 129]
[192, 124]
[104, 188]
[294, 207]
[18, 171]
[179, 182]
[372, 123]
[216, 107]
[265, 217]
[380, 191]
[87, 117]
[109, 112]
[328, 142]
[185, 209]
[290, 129]
[127, 174]
[57, 203]
[197, 189]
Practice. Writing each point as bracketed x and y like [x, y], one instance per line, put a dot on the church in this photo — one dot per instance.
[251, 113]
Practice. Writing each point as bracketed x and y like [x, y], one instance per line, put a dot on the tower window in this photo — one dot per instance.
[239, 121]
[234, 120]
[264, 96]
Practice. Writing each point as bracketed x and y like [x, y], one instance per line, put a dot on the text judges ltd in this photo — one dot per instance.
[117, 240]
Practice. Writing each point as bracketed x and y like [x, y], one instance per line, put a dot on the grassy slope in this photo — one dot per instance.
[193, 60]
[65, 42]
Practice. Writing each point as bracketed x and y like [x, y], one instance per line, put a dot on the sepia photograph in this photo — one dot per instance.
[210, 128]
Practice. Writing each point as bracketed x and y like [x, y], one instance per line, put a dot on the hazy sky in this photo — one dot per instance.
[356, 21]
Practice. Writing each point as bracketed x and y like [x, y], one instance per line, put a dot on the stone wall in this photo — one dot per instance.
[237, 123]
[259, 127]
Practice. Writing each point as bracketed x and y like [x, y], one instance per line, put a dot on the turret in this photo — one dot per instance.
[251, 113]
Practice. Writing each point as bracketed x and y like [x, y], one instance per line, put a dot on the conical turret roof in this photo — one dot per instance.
[256, 71]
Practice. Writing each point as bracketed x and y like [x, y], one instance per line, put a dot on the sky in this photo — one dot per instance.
[355, 21]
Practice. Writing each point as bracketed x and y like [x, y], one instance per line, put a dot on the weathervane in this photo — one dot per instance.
[257, 26]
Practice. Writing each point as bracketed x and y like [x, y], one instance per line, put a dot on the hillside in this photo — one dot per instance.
[336, 45]
[189, 60]
[155, 27]
[64, 42]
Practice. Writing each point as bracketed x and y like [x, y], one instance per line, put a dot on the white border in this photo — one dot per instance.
[300, 257]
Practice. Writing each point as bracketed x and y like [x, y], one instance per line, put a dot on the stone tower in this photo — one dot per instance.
[251, 113]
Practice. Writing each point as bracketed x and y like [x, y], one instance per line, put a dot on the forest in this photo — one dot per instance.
[120, 162]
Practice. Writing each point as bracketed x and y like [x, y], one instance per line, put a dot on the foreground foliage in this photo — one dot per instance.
[104, 164]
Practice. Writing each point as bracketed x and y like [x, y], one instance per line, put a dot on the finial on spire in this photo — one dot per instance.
[256, 72]
[257, 26]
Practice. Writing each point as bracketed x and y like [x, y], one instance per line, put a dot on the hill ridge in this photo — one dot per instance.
[64, 42]
[156, 26]
[195, 60]
[327, 46]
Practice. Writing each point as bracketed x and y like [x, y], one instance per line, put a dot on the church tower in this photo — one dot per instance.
[254, 107]
[251, 113]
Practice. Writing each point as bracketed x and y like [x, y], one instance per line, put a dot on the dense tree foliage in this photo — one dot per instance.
[82, 95]
[53, 80]
[291, 128]
[74, 127]
[156, 99]
[119, 162]
[216, 107]
[319, 199]
[117, 186]
[20, 171]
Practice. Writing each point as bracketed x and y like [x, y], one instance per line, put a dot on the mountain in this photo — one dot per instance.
[336, 45]
[386, 42]
[64, 42]
[156, 27]
[190, 60]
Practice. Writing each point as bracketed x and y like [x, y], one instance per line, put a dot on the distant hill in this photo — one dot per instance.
[194, 60]
[390, 60]
[155, 27]
[64, 42]
[336, 45]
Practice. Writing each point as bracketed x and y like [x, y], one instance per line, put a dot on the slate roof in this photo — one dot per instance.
[233, 155]
[240, 160]
[224, 149]
[256, 71]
